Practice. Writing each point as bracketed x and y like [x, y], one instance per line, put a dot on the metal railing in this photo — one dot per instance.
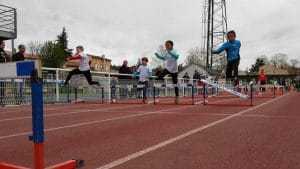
[17, 91]
[56, 76]
[8, 22]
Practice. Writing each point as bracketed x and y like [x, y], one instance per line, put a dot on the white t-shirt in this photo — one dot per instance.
[84, 62]
[171, 63]
[144, 73]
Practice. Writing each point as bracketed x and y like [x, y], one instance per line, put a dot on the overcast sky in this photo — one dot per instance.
[134, 28]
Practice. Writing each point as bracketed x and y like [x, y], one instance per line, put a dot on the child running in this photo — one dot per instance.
[171, 65]
[262, 79]
[232, 48]
[84, 67]
[144, 71]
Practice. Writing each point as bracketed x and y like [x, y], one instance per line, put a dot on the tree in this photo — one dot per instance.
[265, 58]
[247, 70]
[280, 60]
[195, 57]
[294, 63]
[115, 67]
[255, 67]
[62, 42]
[34, 48]
[181, 67]
[52, 55]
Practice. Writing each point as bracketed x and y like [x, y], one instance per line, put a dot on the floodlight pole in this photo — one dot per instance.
[214, 31]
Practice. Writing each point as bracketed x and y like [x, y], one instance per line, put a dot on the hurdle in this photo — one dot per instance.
[101, 98]
[129, 94]
[32, 70]
[246, 100]
[268, 91]
[169, 100]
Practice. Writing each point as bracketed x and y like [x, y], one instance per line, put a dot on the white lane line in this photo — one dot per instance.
[228, 114]
[93, 122]
[177, 138]
[105, 109]
[70, 113]
[77, 112]
[28, 110]
[271, 116]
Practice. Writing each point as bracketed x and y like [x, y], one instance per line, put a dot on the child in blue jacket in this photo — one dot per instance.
[232, 48]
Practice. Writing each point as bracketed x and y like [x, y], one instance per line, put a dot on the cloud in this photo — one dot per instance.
[134, 28]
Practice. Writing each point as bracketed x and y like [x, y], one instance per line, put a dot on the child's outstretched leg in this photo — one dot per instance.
[163, 74]
[236, 71]
[73, 72]
[229, 71]
[88, 77]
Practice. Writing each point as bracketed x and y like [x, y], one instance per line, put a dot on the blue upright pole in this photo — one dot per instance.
[37, 120]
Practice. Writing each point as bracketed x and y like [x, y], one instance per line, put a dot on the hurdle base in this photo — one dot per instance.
[228, 105]
[71, 164]
[174, 104]
[142, 101]
[89, 102]
[10, 166]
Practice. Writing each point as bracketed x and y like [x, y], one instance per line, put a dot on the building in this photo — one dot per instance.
[191, 70]
[99, 63]
[294, 71]
[271, 70]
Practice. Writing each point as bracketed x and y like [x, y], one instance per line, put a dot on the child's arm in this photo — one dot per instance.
[159, 56]
[173, 54]
[150, 73]
[137, 73]
[75, 57]
[221, 49]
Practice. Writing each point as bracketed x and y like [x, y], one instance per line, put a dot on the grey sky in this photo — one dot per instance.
[134, 28]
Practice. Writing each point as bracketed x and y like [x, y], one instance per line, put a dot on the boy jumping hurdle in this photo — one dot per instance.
[84, 67]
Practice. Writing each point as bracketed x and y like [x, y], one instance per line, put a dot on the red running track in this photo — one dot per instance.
[161, 137]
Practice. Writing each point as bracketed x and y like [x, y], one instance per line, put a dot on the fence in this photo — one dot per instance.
[17, 91]
[54, 77]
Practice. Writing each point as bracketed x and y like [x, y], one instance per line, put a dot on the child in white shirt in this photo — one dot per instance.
[145, 74]
[84, 67]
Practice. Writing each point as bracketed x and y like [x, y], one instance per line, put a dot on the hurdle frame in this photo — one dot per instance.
[227, 104]
[37, 136]
[144, 98]
[155, 97]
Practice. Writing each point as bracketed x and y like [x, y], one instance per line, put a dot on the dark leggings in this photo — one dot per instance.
[262, 88]
[146, 83]
[232, 66]
[174, 79]
[87, 75]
